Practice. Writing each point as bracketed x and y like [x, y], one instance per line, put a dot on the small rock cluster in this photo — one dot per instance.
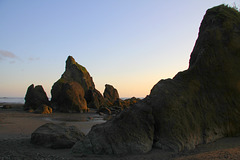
[75, 92]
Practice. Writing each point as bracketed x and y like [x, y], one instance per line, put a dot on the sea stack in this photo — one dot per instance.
[35, 97]
[199, 105]
[75, 90]
[110, 94]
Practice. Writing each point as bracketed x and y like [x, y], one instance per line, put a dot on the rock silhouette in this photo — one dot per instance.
[69, 97]
[110, 94]
[199, 105]
[112, 103]
[75, 90]
[35, 97]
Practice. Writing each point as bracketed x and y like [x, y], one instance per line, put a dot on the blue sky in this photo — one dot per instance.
[130, 44]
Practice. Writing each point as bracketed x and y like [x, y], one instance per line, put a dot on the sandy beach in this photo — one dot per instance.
[17, 125]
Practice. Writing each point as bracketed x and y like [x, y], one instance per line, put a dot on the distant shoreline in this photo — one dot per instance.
[21, 100]
[12, 100]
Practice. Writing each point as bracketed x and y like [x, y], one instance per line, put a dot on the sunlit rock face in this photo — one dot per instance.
[77, 73]
[75, 90]
[197, 106]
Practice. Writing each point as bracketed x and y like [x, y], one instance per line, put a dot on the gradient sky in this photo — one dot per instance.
[130, 44]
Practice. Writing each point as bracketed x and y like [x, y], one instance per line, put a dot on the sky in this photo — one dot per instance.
[130, 44]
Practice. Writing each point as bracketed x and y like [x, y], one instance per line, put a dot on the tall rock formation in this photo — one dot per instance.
[110, 94]
[75, 90]
[199, 105]
[35, 97]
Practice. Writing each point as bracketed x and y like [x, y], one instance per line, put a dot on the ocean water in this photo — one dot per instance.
[12, 100]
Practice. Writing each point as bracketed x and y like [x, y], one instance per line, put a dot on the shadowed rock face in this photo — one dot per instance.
[35, 97]
[127, 133]
[110, 94]
[69, 97]
[197, 106]
[94, 98]
[71, 93]
[56, 136]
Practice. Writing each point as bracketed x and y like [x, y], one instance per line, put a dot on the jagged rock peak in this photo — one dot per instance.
[70, 62]
[78, 73]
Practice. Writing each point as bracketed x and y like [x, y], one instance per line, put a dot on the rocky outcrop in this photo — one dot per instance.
[35, 97]
[110, 94]
[56, 136]
[118, 106]
[112, 103]
[75, 90]
[199, 105]
[126, 103]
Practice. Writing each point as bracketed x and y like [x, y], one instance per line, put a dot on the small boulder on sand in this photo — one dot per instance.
[44, 109]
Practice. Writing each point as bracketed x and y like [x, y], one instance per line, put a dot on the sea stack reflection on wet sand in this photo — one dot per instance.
[195, 115]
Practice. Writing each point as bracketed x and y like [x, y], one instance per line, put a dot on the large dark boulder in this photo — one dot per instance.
[35, 97]
[110, 94]
[56, 136]
[199, 105]
[132, 131]
[75, 90]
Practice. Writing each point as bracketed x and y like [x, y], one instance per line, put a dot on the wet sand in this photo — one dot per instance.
[17, 125]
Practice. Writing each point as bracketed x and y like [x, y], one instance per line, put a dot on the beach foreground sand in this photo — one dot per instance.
[17, 125]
